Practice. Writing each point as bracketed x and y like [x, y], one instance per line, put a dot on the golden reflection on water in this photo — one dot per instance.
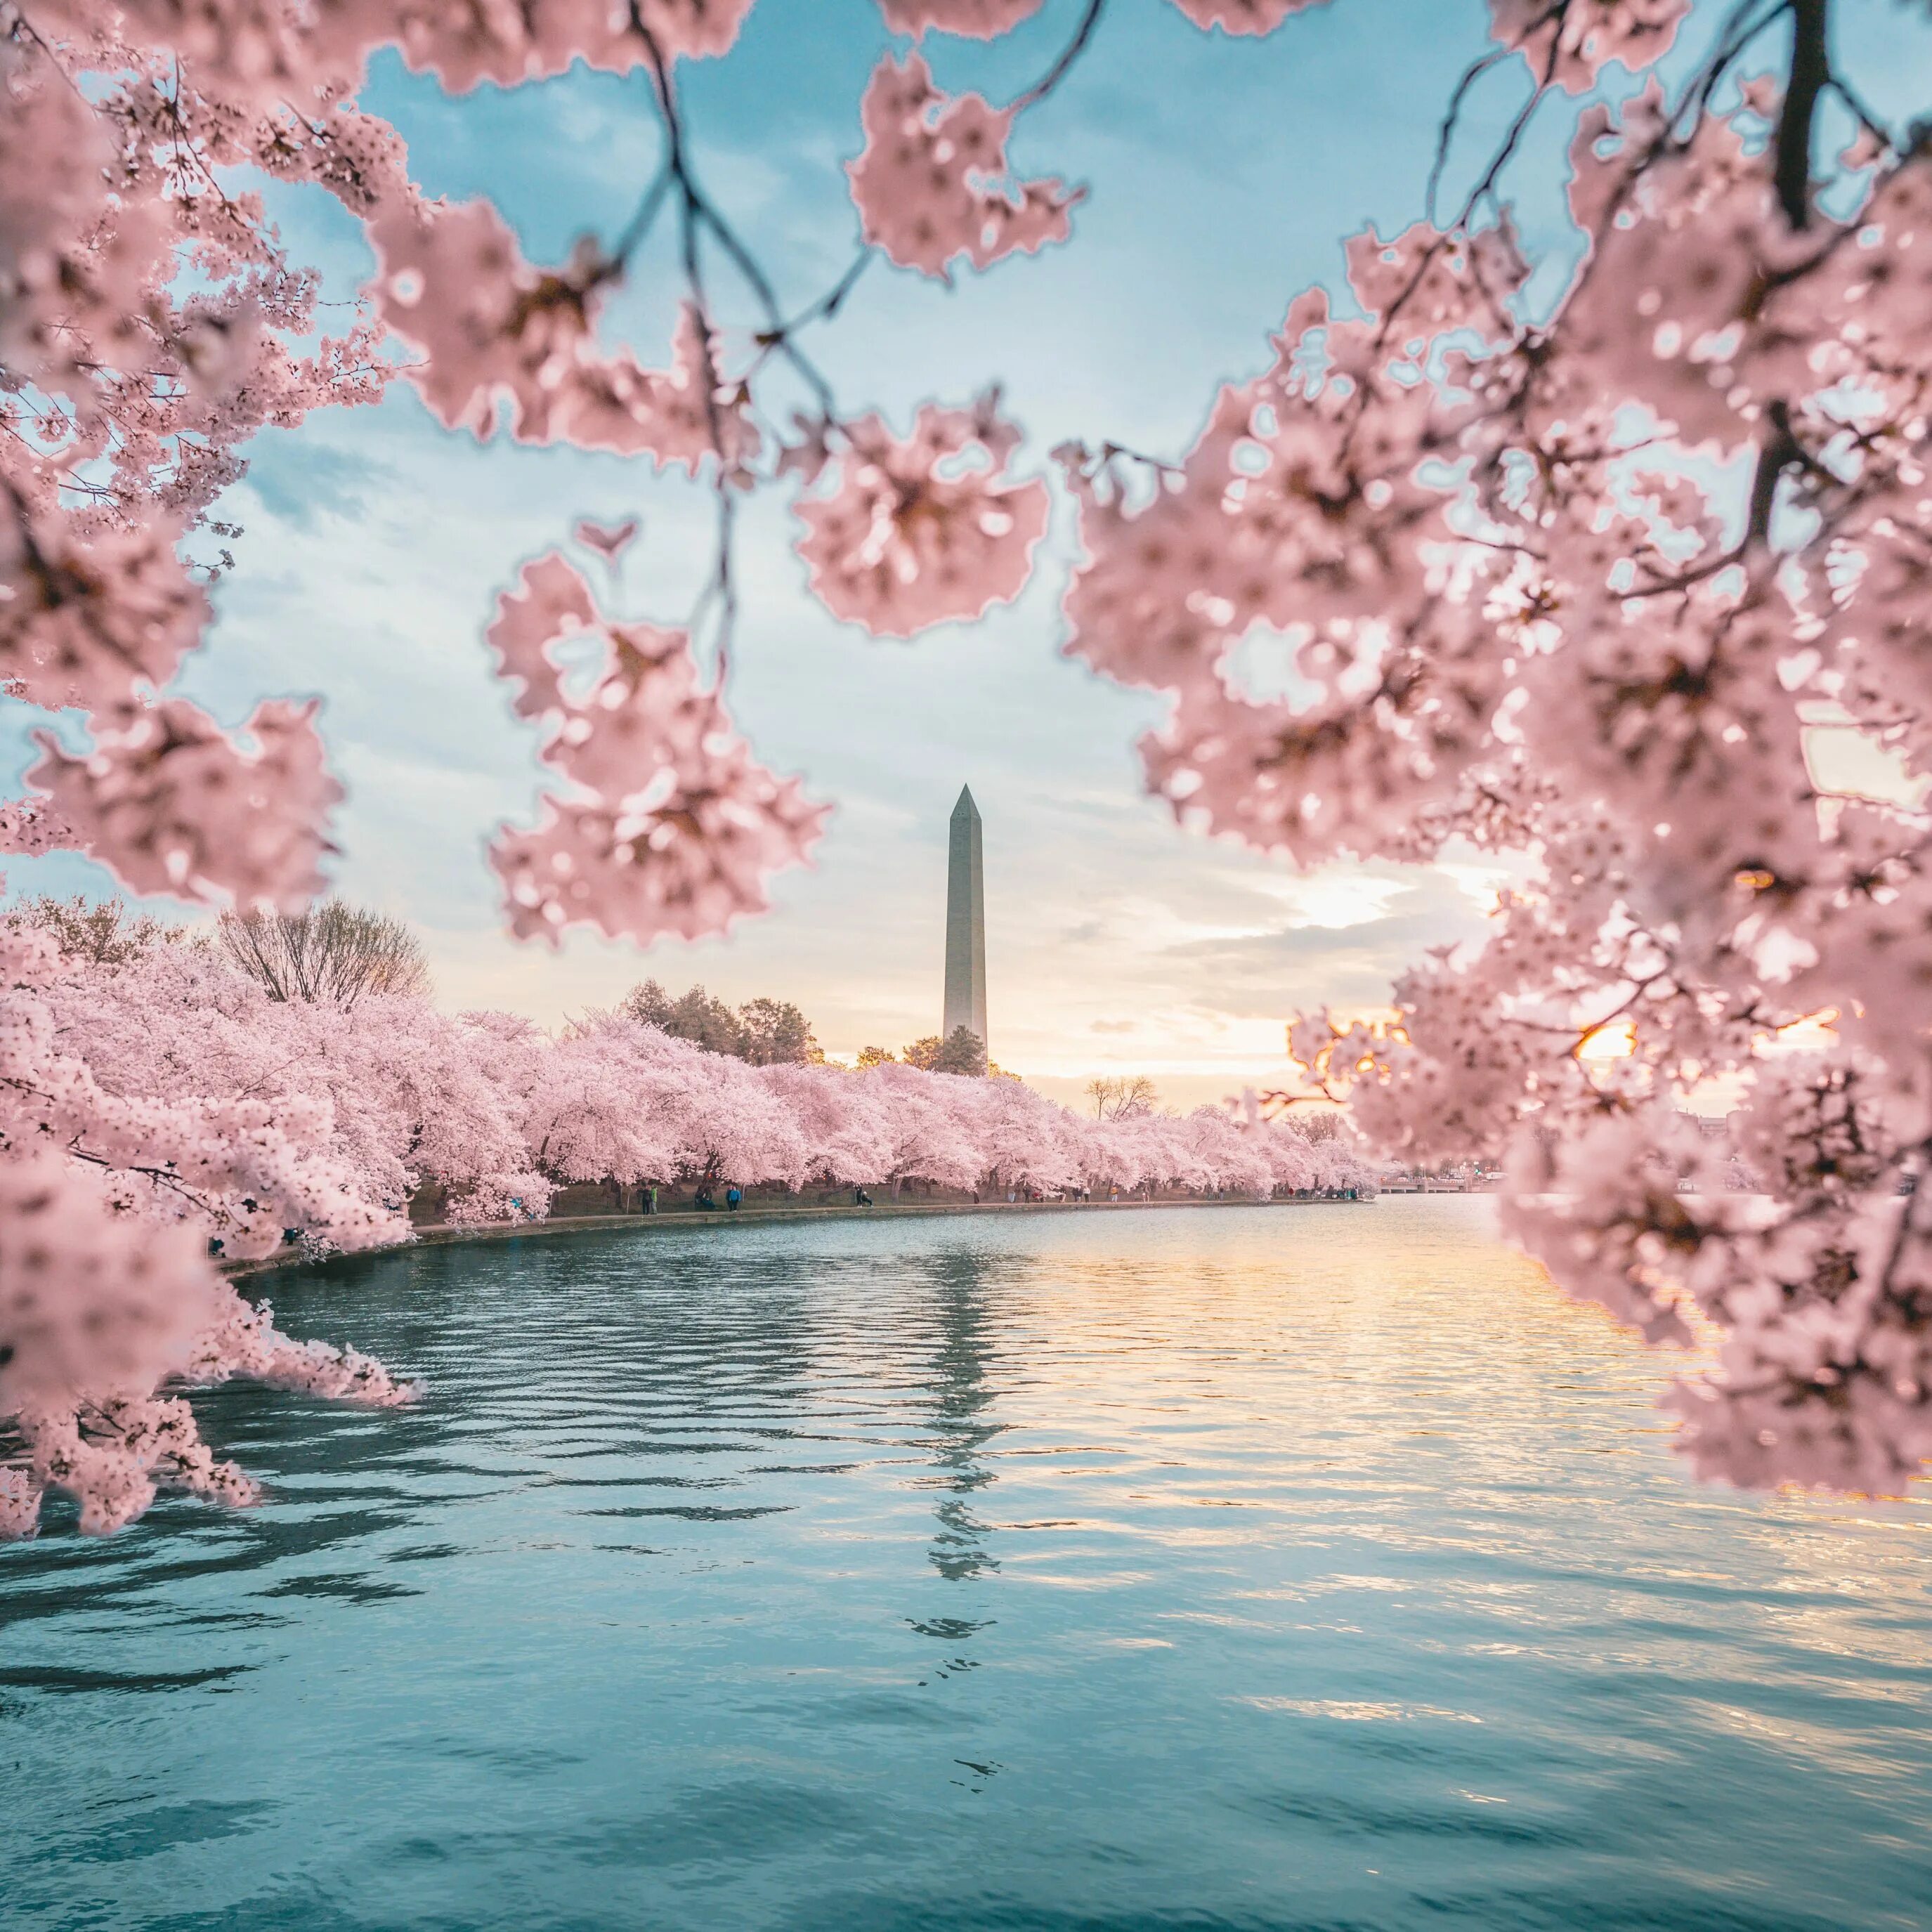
[1396, 1377]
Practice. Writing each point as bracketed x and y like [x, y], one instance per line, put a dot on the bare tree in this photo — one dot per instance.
[106, 932]
[332, 953]
[1122, 1096]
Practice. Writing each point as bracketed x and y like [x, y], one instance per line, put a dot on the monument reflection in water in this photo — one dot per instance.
[1255, 1568]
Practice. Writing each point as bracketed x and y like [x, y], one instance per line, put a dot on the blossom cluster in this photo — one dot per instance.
[931, 186]
[113, 1187]
[926, 530]
[1582, 588]
[671, 825]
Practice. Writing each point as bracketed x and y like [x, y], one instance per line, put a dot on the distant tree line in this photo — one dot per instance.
[775, 1033]
[226, 1093]
[961, 1051]
[331, 954]
[336, 953]
[762, 1033]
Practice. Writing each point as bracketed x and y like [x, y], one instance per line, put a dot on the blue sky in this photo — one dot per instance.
[1224, 176]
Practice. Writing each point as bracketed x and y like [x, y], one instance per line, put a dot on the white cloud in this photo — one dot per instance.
[1337, 898]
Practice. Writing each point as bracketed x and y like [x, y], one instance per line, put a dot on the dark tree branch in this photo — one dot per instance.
[1446, 134]
[1069, 54]
[1810, 75]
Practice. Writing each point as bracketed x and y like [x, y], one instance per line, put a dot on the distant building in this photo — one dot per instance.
[965, 924]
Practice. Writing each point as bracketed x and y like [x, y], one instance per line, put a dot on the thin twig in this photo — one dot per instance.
[640, 224]
[828, 304]
[723, 586]
[1069, 54]
[1446, 133]
[1860, 112]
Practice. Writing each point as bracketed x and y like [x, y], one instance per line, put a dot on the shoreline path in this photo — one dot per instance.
[442, 1233]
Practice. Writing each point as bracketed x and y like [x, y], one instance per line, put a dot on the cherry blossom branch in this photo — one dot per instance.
[1446, 134]
[641, 222]
[1069, 54]
[164, 1176]
[703, 212]
[826, 307]
[1513, 139]
[1811, 73]
[1743, 26]
[1582, 1034]
[1866, 118]
[722, 588]
[171, 105]
[1110, 449]
[169, 1182]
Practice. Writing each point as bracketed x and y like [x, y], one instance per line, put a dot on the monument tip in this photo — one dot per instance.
[965, 807]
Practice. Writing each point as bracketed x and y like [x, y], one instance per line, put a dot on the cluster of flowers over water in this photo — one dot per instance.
[153, 1104]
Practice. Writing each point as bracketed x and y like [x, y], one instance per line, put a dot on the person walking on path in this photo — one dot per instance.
[732, 1195]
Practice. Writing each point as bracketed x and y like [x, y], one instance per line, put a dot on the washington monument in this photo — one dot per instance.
[965, 925]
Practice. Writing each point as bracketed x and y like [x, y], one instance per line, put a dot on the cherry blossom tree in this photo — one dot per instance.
[1572, 564]
[844, 1123]
[107, 1288]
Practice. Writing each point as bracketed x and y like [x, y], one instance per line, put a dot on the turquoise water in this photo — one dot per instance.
[1247, 1569]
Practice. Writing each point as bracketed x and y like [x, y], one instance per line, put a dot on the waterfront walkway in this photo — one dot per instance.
[440, 1234]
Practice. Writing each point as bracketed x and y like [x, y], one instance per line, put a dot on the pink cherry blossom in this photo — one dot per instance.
[926, 531]
[32, 826]
[88, 615]
[506, 45]
[496, 330]
[974, 20]
[931, 185]
[673, 827]
[1243, 17]
[1570, 44]
[111, 1190]
[89, 1305]
[173, 805]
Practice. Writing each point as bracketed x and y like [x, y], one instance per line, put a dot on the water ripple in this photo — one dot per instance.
[1309, 1570]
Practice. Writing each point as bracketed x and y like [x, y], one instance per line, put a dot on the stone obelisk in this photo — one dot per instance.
[965, 924]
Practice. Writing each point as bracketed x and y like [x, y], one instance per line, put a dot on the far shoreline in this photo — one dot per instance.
[454, 1234]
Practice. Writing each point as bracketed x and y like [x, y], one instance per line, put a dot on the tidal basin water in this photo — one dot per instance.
[1247, 1569]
